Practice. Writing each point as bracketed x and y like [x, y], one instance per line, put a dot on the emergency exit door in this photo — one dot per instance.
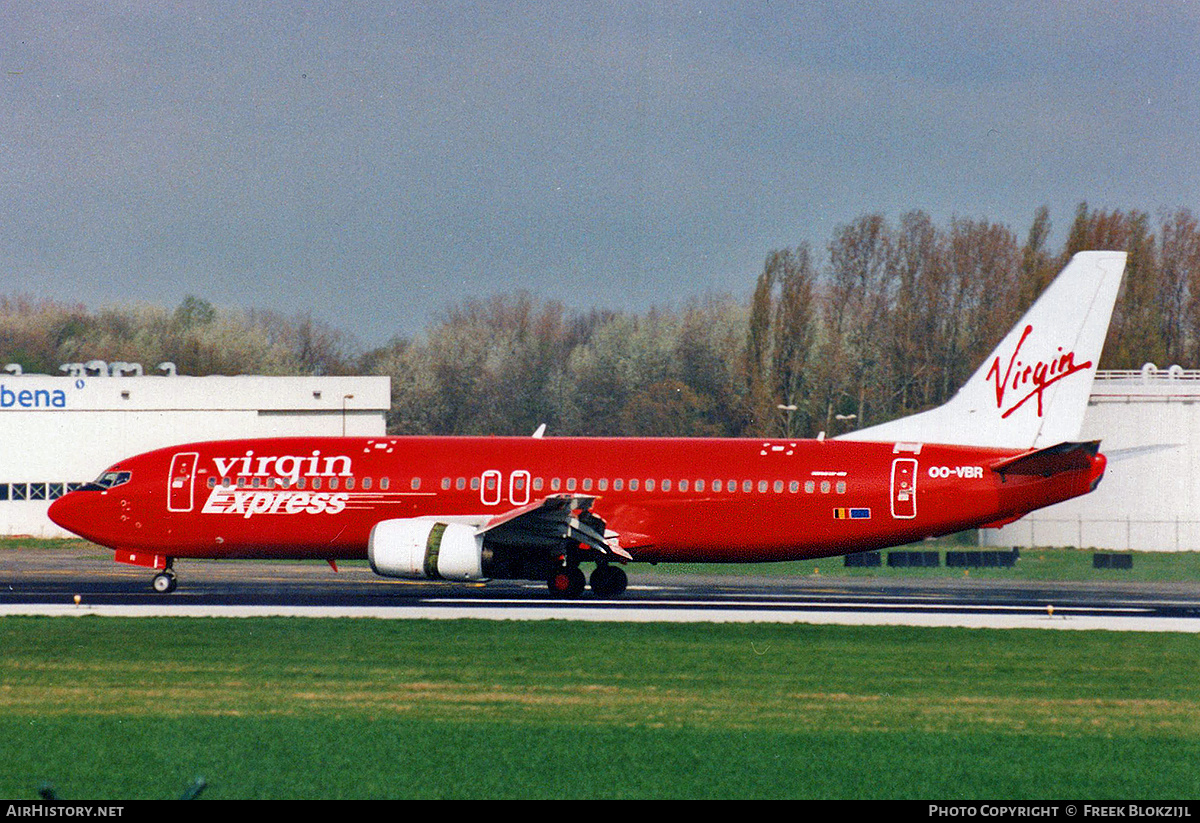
[904, 488]
[181, 485]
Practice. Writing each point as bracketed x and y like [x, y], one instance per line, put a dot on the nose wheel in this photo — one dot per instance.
[164, 582]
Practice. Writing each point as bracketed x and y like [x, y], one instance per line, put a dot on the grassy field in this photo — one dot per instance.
[106, 708]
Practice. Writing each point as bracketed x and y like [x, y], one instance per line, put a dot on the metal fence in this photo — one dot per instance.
[1116, 533]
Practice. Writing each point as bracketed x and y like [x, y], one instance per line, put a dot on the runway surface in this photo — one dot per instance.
[47, 582]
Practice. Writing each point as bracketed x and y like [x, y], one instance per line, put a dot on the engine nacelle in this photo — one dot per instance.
[427, 548]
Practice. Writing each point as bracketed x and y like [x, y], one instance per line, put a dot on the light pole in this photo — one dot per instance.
[787, 410]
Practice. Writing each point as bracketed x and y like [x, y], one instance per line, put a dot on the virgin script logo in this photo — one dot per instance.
[1030, 378]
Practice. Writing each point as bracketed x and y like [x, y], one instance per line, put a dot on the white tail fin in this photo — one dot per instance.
[1032, 391]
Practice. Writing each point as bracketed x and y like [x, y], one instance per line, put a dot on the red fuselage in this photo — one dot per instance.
[666, 500]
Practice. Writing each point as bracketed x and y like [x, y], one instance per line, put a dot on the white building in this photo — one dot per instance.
[1148, 423]
[58, 431]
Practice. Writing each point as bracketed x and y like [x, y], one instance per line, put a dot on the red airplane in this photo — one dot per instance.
[536, 508]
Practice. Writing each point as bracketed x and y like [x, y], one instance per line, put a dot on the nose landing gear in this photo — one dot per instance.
[164, 582]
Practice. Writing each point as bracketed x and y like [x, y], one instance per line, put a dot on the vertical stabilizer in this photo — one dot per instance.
[1032, 390]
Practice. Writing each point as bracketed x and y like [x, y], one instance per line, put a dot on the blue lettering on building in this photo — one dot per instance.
[32, 398]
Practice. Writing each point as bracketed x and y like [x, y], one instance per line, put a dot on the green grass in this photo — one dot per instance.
[106, 708]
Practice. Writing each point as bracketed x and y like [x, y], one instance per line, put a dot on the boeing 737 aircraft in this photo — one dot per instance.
[539, 508]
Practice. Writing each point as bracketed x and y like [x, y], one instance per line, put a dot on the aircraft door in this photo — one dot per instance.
[181, 483]
[518, 487]
[904, 488]
[489, 489]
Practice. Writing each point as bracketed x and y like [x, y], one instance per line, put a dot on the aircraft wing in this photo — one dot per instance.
[553, 520]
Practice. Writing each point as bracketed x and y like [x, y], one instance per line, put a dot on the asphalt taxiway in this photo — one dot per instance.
[85, 581]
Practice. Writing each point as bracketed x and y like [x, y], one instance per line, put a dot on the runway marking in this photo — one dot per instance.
[592, 613]
[803, 604]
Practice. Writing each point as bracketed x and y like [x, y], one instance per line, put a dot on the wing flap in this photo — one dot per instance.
[553, 520]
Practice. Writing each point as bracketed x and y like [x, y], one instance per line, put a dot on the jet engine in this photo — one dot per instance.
[426, 548]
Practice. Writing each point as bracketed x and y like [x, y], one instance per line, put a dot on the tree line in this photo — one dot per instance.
[889, 318]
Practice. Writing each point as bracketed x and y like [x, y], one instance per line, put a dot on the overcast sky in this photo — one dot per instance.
[373, 163]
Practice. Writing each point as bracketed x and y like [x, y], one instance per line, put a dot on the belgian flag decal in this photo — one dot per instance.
[851, 514]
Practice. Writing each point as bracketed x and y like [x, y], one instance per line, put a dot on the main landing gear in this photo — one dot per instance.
[606, 582]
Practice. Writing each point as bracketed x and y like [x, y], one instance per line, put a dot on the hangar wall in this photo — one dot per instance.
[57, 431]
[1148, 423]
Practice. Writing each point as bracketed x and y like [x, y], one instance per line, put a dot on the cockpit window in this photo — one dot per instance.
[107, 481]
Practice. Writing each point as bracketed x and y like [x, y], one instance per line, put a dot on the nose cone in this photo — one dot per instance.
[76, 512]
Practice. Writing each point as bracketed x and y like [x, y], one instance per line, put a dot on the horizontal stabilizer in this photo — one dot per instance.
[1053, 460]
[1139, 451]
